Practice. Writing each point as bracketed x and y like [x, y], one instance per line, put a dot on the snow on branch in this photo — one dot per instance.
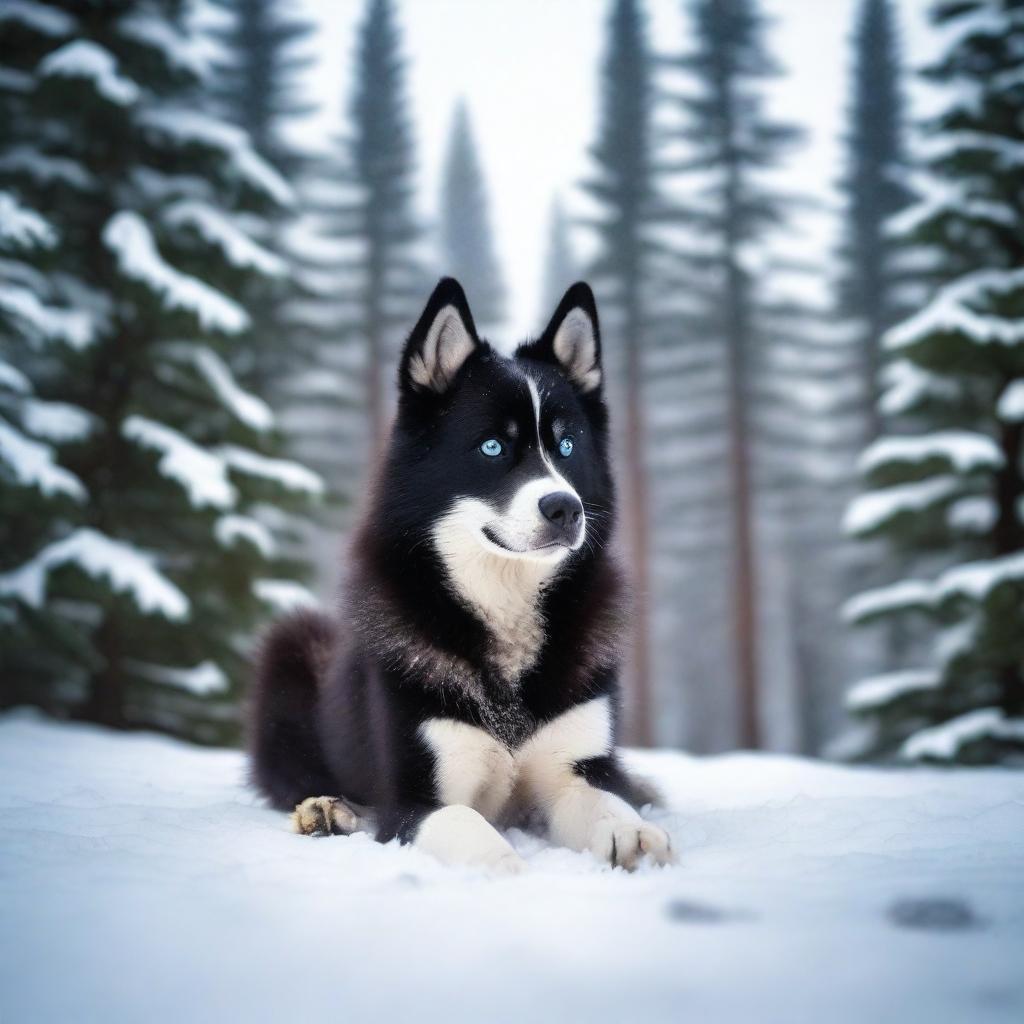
[126, 569]
[287, 474]
[84, 59]
[175, 47]
[23, 228]
[907, 385]
[875, 509]
[13, 379]
[230, 528]
[284, 595]
[976, 580]
[943, 742]
[871, 693]
[56, 421]
[202, 475]
[1011, 403]
[953, 311]
[247, 407]
[41, 18]
[963, 451]
[901, 596]
[219, 230]
[128, 236]
[190, 127]
[74, 327]
[32, 465]
[203, 680]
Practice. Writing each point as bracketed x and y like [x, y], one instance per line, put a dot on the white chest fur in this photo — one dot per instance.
[473, 768]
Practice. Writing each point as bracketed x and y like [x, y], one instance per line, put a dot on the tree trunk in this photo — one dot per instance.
[106, 698]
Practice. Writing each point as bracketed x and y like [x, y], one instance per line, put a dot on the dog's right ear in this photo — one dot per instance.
[442, 340]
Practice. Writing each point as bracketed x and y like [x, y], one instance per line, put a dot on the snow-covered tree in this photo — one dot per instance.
[162, 564]
[622, 189]
[949, 491]
[875, 188]
[467, 244]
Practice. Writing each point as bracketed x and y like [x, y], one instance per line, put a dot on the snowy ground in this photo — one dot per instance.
[141, 880]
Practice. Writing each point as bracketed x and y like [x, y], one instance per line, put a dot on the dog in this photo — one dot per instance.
[470, 680]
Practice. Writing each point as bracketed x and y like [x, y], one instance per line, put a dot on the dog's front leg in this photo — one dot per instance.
[583, 817]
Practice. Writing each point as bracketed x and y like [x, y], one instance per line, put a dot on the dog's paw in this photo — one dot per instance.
[623, 843]
[324, 816]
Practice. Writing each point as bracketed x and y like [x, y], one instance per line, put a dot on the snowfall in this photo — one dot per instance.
[141, 879]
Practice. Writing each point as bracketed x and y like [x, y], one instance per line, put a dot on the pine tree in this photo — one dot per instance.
[467, 246]
[729, 142]
[382, 281]
[950, 493]
[162, 566]
[561, 268]
[875, 189]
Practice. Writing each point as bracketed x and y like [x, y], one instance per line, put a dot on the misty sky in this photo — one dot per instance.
[529, 71]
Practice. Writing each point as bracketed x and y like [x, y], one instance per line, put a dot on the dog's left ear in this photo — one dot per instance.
[442, 340]
[572, 340]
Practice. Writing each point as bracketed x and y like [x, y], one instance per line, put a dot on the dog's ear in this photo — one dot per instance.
[442, 340]
[572, 340]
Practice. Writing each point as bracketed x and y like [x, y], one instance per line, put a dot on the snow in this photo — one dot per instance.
[230, 528]
[246, 407]
[869, 511]
[218, 229]
[870, 693]
[83, 58]
[203, 680]
[142, 880]
[21, 227]
[45, 20]
[160, 34]
[976, 513]
[895, 597]
[964, 450]
[125, 567]
[128, 236]
[284, 595]
[942, 742]
[191, 127]
[287, 474]
[1011, 403]
[13, 379]
[46, 169]
[74, 327]
[32, 464]
[201, 474]
[907, 385]
[953, 310]
[56, 421]
[976, 580]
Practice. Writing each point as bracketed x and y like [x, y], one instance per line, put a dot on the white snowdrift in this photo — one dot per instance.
[142, 880]
[125, 568]
[128, 236]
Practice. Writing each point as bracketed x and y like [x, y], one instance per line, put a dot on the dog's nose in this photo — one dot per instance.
[562, 509]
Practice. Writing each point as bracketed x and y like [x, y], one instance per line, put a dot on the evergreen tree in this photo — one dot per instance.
[561, 268]
[729, 143]
[875, 189]
[378, 272]
[161, 566]
[623, 190]
[467, 245]
[949, 493]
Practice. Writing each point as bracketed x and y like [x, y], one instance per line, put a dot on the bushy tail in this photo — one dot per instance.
[286, 759]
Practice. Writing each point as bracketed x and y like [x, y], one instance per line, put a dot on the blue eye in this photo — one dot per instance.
[492, 447]
[565, 447]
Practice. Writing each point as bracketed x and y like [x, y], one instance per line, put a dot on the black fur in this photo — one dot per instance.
[338, 701]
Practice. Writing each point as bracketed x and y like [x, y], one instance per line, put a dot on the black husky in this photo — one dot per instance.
[471, 677]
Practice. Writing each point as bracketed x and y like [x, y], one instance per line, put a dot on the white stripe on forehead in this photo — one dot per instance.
[545, 458]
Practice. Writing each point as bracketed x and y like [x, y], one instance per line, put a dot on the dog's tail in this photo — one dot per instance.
[286, 759]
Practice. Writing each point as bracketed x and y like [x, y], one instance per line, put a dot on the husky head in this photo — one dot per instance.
[497, 460]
